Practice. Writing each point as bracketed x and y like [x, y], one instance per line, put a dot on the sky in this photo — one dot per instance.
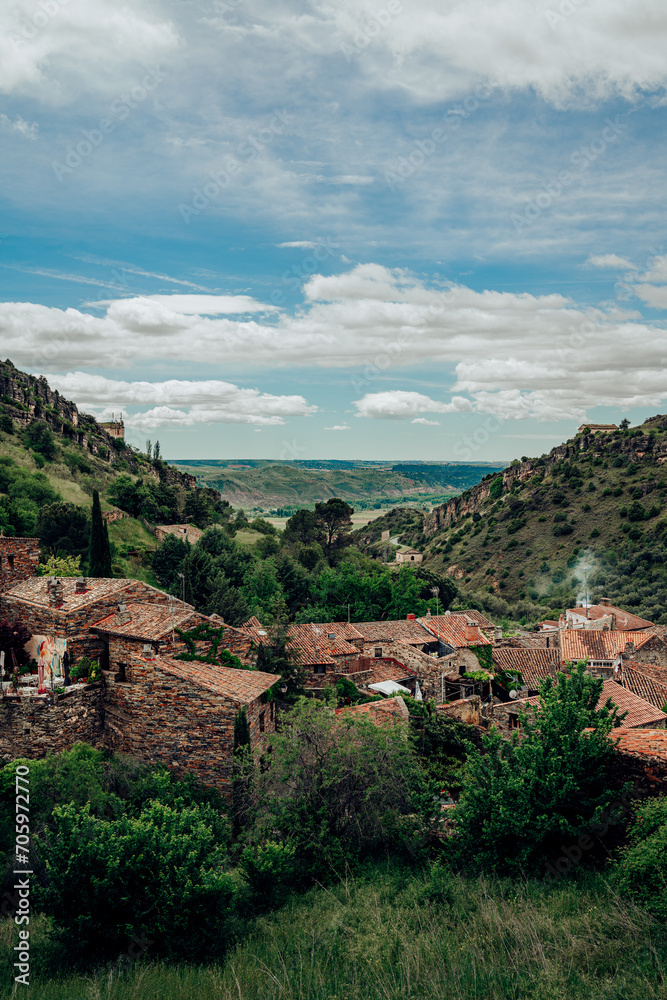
[371, 230]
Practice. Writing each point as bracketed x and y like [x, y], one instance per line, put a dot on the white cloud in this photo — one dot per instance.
[197, 305]
[298, 244]
[515, 354]
[339, 427]
[58, 50]
[179, 403]
[20, 125]
[400, 405]
[425, 422]
[611, 261]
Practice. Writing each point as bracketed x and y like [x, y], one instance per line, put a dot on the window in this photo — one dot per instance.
[378, 651]
[121, 674]
[10, 560]
[319, 668]
[262, 722]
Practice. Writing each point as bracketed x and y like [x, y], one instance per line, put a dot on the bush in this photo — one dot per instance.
[39, 438]
[641, 871]
[157, 876]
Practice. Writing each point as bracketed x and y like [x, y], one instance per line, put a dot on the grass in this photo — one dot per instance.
[127, 535]
[394, 935]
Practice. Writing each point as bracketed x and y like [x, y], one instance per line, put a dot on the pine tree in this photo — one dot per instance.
[99, 552]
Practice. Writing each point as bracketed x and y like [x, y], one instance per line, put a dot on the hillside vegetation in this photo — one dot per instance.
[587, 517]
[265, 485]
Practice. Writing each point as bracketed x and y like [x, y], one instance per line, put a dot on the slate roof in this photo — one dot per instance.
[149, 621]
[625, 620]
[582, 644]
[240, 686]
[534, 664]
[644, 686]
[453, 630]
[403, 630]
[640, 712]
[643, 743]
[35, 591]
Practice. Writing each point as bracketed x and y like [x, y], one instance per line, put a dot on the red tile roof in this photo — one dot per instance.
[582, 644]
[649, 744]
[644, 686]
[150, 621]
[402, 630]
[625, 620]
[383, 671]
[253, 622]
[476, 616]
[454, 630]
[534, 664]
[35, 591]
[640, 713]
[389, 710]
[241, 686]
[315, 646]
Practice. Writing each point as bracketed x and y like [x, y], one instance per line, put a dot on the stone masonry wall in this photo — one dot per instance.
[158, 717]
[33, 727]
[19, 558]
[429, 669]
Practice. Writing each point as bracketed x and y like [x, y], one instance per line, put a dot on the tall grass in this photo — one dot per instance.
[397, 936]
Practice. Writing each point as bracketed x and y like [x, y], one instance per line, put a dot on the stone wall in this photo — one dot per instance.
[156, 717]
[33, 727]
[19, 558]
[429, 669]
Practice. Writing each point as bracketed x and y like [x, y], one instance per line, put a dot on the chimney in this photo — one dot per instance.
[428, 613]
[409, 618]
[498, 632]
[54, 588]
[605, 602]
[630, 649]
[122, 615]
[471, 632]
[80, 585]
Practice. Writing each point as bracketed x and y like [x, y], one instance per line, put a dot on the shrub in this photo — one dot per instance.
[641, 870]
[39, 438]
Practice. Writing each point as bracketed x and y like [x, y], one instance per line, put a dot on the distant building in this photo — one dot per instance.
[186, 532]
[114, 428]
[597, 428]
[409, 556]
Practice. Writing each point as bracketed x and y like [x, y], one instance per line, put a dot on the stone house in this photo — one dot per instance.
[534, 665]
[605, 652]
[641, 714]
[186, 532]
[182, 714]
[411, 556]
[458, 636]
[605, 614]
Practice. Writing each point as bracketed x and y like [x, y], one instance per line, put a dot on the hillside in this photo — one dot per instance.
[267, 485]
[588, 514]
[52, 453]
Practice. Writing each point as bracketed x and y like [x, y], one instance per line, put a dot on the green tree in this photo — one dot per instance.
[277, 655]
[527, 797]
[302, 527]
[63, 529]
[39, 437]
[334, 519]
[99, 552]
[228, 602]
[167, 562]
[261, 588]
[642, 868]
[159, 876]
[340, 789]
[61, 566]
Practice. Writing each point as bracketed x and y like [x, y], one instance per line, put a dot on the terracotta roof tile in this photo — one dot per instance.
[625, 620]
[534, 664]
[640, 713]
[242, 686]
[454, 630]
[383, 671]
[643, 743]
[149, 621]
[35, 591]
[644, 686]
[389, 710]
[403, 630]
[582, 644]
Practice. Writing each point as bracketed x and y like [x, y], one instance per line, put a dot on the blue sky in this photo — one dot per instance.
[373, 230]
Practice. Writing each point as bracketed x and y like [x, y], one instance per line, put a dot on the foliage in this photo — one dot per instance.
[205, 632]
[484, 656]
[63, 529]
[277, 655]
[60, 566]
[527, 797]
[641, 871]
[39, 437]
[340, 788]
[99, 552]
[334, 520]
[372, 591]
[159, 875]
[155, 501]
[167, 560]
[442, 744]
[22, 494]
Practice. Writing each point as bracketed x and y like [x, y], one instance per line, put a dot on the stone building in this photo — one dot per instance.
[409, 556]
[186, 532]
[19, 558]
[605, 615]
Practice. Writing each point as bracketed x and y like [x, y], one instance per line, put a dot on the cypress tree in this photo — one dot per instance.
[99, 552]
[241, 769]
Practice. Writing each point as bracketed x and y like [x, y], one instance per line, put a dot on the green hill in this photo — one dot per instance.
[50, 454]
[265, 485]
[590, 514]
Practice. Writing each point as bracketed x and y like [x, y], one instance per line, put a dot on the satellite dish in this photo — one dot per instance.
[513, 693]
